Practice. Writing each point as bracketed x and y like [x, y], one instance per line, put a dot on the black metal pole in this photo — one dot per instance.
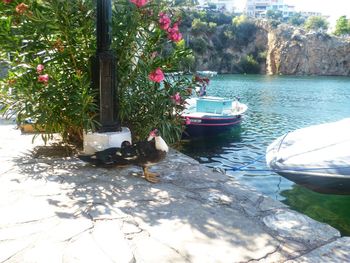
[104, 69]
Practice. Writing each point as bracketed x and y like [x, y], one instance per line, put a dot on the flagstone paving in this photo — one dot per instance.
[64, 210]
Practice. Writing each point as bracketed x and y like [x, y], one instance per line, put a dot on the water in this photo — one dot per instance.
[277, 104]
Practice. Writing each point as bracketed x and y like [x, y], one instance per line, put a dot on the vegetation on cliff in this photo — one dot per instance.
[228, 43]
[222, 42]
[342, 27]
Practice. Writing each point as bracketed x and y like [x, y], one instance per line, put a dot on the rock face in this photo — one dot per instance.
[227, 50]
[283, 50]
[295, 52]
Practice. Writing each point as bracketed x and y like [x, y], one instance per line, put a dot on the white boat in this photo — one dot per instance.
[317, 157]
[173, 74]
[208, 116]
[207, 73]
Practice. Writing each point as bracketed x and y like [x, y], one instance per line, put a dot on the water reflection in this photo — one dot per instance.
[206, 150]
[277, 105]
[331, 209]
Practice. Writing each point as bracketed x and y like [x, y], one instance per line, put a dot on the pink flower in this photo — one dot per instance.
[43, 78]
[176, 98]
[176, 26]
[175, 36]
[39, 68]
[173, 33]
[164, 21]
[139, 3]
[187, 121]
[6, 1]
[156, 76]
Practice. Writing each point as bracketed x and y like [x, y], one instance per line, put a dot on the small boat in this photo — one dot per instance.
[207, 73]
[317, 157]
[175, 73]
[208, 116]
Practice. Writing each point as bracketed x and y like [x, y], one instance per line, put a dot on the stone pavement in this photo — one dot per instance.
[63, 210]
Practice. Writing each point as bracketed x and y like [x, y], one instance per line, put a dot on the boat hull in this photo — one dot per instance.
[210, 116]
[325, 184]
[210, 126]
[316, 157]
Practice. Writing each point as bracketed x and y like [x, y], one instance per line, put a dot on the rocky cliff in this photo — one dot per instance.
[283, 50]
[292, 51]
[230, 49]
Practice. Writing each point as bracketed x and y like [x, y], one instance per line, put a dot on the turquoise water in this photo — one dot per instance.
[277, 104]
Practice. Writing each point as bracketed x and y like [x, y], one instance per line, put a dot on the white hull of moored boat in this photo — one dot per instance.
[317, 156]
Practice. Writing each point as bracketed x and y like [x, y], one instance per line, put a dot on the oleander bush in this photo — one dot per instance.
[48, 46]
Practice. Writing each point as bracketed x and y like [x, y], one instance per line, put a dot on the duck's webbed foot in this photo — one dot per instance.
[150, 177]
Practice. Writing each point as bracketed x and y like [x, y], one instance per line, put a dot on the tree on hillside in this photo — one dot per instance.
[296, 19]
[248, 65]
[316, 23]
[274, 14]
[243, 29]
[198, 26]
[199, 45]
[237, 20]
[275, 17]
[342, 26]
[218, 18]
[186, 2]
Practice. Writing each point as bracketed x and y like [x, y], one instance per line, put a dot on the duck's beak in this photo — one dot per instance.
[152, 134]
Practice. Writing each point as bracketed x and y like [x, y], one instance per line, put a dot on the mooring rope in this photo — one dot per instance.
[239, 168]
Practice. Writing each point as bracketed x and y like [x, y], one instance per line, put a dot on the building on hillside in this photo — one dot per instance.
[308, 14]
[225, 5]
[286, 10]
[259, 8]
[218, 5]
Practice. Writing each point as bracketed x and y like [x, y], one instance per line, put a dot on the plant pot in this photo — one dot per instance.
[31, 128]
